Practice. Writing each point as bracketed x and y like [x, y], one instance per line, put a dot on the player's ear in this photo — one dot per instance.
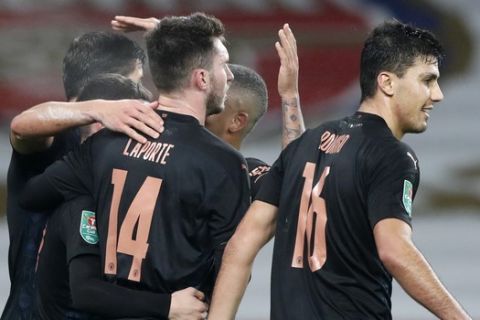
[385, 82]
[238, 122]
[200, 79]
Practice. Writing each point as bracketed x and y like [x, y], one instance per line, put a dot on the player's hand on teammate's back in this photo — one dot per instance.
[130, 24]
[288, 73]
[188, 304]
[134, 118]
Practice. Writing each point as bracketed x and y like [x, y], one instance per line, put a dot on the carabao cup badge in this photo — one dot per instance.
[88, 227]
[407, 196]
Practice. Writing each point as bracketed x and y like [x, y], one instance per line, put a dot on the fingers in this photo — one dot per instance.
[127, 24]
[280, 51]
[145, 120]
[151, 118]
[288, 44]
[286, 48]
[134, 134]
[135, 118]
[119, 26]
[289, 36]
[199, 294]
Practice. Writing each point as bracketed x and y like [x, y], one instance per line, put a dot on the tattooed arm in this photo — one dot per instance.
[292, 118]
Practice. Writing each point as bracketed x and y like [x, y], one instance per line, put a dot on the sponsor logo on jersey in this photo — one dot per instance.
[88, 227]
[413, 159]
[407, 196]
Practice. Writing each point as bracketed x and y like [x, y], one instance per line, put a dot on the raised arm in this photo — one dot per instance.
[292, 118]
[407, 265]
[33, 129]
[255, 230]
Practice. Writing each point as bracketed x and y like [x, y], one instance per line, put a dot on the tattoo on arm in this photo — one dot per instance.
[292, 124]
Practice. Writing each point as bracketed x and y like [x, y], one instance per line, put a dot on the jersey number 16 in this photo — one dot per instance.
[312, 219]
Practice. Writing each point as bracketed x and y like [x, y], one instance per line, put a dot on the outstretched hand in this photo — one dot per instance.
[188, 304]
[131, 117]
[288, 73]
[130, 24]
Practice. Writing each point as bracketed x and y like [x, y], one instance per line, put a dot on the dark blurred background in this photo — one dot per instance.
[34, 36]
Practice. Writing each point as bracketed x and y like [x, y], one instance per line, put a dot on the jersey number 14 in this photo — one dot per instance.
[312, 220]
[139, 214]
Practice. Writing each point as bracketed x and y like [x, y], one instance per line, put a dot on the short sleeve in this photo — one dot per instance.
[272, 182]
[257, 170]
[392, 185]
[228, 202]
[79, 228]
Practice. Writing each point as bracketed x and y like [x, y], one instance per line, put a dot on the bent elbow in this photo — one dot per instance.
[389, 258]
[17, 127]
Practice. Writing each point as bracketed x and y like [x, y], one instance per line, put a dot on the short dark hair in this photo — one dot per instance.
[394, 46]
[113, 86]
[180, 44]
[249, 83]
[98, 52]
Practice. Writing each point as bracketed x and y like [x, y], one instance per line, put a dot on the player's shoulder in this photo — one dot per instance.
[392, 147]
[219, 152]
[219, 148]
[256, 167]
[392, 153]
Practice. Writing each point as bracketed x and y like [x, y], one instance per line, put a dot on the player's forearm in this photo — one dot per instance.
[92, 294]
[292, 123]
[255, 230]
[104, 299]
[231, 284]
[50, 118]
[417, 278]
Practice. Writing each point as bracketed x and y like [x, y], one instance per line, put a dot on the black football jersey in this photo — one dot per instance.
[25, 227]
[71, 231]
[256, 171]
[164, 208]
[332, 185]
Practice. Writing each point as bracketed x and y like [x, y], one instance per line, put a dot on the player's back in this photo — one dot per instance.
[325, 263]
[25, 226]
[166, 206]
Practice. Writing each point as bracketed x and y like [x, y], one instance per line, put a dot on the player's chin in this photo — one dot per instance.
[215, 109]
[419, 128]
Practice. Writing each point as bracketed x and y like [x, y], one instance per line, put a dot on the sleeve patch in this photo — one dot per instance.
[407, 196]
[88, 227]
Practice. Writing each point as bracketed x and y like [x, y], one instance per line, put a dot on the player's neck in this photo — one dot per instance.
[182, 104]
[384, 110]
[235, 142]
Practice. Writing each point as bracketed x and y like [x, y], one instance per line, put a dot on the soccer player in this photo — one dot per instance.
[69, 249]
[339, 200]
[166, 208]
[44, 133]
[247, 97]
[246, 102]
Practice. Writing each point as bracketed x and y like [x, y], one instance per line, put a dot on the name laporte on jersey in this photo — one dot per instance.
[150, 151]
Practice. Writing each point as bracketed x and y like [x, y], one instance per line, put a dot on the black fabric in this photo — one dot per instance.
[194, 185]
[25, 226]
[92, 294]
[62, 241]
[354, 173]
[68, 257]
[256, 171]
